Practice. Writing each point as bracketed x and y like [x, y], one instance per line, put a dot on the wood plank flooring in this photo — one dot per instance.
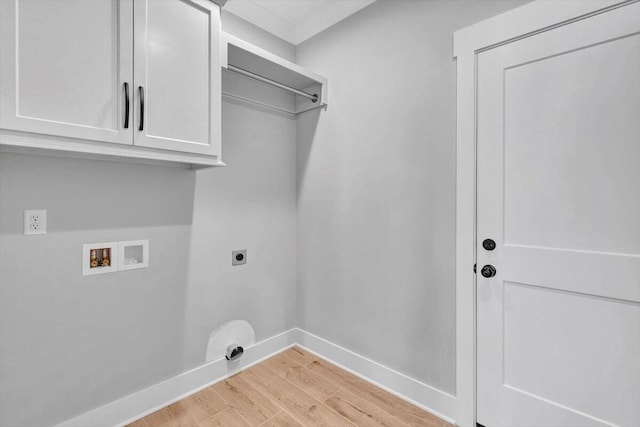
[291, 389]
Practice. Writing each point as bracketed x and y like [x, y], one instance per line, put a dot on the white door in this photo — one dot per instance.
[64, 66]
[558, 137]
[177, 75]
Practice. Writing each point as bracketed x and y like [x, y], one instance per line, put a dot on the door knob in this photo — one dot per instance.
[489, 244]
[488, 271]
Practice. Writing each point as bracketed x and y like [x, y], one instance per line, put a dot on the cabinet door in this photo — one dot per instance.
[64, 65]
[177, 75]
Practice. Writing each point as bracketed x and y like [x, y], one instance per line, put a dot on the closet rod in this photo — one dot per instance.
[312, 97]
[258, 103]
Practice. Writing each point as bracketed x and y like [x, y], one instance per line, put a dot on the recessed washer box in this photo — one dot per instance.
[99, 258]
[133, 254]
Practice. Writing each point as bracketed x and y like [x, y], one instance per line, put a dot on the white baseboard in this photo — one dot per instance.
[129, 408]
[418, 393]
[136, 405]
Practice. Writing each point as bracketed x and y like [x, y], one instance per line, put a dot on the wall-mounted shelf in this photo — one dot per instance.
[251, 61]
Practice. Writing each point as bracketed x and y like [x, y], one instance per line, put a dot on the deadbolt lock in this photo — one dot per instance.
[489, 244]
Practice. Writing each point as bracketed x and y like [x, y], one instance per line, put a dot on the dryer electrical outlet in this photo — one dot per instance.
[239, 257]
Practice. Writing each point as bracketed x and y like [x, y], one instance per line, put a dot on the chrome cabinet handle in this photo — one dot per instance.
[126, 105]
[141, 92]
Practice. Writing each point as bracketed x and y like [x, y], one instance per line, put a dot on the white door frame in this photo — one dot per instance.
[525, 21]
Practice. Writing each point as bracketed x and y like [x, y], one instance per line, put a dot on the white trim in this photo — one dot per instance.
[465, 243]
[422, 395]
[527, 19]
[522, 22]
[139, 404]
[146, 401]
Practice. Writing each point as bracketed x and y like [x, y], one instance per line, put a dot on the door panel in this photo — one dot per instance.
[558, 327]
[570, 325]
[64, 64]
[593, 128]
[575, 271]
[177, 65]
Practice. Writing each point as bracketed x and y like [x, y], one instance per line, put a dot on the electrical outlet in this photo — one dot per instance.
[239, 257]
[35, 221]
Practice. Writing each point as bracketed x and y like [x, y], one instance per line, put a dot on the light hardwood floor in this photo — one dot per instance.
[293, 388]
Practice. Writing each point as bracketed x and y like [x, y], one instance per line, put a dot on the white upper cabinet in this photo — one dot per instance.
[76, 69]
[64, 65]
[177, 75]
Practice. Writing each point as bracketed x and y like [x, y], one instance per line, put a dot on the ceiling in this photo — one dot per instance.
[294, 20]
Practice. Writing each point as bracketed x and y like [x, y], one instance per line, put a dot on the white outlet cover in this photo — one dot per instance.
[35, 221]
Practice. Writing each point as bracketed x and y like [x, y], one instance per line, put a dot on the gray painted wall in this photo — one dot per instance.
[376, 185]
[257, 36]
[374, 230]
[250, 204]
[67, 342]
[70, 343]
